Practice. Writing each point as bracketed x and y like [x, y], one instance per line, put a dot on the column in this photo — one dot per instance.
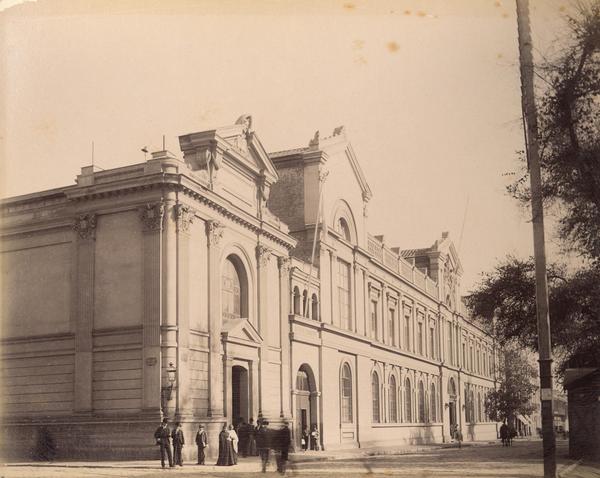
[366, 302]
[85, 226]
[214, 232]
[262, 258]
[354, 298]
[152, 216]
[385, 335]
[168, 343]
[184, 216]
[283, 264]
[227, 386]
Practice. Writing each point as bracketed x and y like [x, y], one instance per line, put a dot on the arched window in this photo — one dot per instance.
[296, 301]
[421, 401]
[407, 401]
[314, 307]
[392, 400]
[451, 388]
[233, 290]
[433, 404]
[343, 229]
[375, 396]
[346, 394]
[302, 381]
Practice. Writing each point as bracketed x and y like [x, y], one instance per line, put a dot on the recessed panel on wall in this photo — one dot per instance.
[36, 293]
[118, 282]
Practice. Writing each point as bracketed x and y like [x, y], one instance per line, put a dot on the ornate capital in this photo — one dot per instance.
[263, 254]
[283, 263]
[152, 216]
[184, 216]
[85, 225]
[214, 232]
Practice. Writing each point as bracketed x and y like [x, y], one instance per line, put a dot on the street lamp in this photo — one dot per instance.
[167, 390]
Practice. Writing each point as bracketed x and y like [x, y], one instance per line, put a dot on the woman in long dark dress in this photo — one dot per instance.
[226, 457]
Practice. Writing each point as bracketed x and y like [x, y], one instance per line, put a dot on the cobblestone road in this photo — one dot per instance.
[523, 460]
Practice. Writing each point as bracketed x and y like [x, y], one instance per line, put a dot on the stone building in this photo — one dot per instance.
[183, 286]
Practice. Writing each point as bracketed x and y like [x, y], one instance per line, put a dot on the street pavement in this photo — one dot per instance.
[477, 460]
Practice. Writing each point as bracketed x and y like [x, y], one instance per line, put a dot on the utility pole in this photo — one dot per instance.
[537, 212]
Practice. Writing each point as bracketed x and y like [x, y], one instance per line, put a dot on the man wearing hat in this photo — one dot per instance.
[202, 442]
[263, 444]
[163, 439]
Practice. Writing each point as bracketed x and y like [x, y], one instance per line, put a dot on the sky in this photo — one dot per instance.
[428, 91]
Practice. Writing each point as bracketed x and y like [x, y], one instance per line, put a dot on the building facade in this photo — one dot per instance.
[194, 287]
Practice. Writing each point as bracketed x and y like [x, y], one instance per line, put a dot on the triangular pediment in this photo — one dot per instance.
[338, 143]
[236, 144]
[240, 330]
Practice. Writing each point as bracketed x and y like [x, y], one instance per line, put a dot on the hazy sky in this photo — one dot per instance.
[428, 91]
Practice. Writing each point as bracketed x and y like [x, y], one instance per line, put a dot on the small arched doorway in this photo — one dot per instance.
[240, 404]
[306, 407]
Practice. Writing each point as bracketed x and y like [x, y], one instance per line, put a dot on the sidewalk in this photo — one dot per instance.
[252, 464]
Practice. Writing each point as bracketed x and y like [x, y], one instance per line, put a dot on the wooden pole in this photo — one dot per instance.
[537, 212]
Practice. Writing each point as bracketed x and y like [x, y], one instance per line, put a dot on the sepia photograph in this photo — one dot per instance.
[300, 238]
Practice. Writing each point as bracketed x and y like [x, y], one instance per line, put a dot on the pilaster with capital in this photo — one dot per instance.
[263, 256]
[283, 264]
[151, 217]
[184, 216]
[85, 226]
[214, 234]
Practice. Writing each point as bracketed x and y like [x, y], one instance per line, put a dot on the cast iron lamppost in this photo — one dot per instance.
[167, 390]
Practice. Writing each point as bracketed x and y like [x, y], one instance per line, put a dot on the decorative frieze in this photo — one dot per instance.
[263, 254]
[85, 225]
[152, 215]
[184, 216]
[214, 232]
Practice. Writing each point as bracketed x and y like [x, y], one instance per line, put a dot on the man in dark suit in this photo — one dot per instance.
[178, 442]
[263, 443]
[284, 439]
[202, 442]
[163, 439]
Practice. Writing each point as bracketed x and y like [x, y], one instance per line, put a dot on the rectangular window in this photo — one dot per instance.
[464, 355]
[449, 352]
[407, 329]
[420, 338]
[432, 342]
[344, 294]
[374, 319]
[392, 326]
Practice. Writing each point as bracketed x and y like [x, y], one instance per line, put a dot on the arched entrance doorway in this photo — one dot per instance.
[452, 407]
[240, 404]
[306, 406]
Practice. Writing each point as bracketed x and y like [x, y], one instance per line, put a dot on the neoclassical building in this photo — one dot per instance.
[224, 283]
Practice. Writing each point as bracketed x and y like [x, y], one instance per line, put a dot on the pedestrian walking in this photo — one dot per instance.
[234, 443]
[201, 443]
[251, 449]
[284, 439]
[163, 439]
[178, 442]
[314, 438]
[225, 457]
[504, 434]
[263, 444]
[305, 439]
[242, 432]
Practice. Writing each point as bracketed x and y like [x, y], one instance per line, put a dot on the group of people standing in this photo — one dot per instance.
[310, 440]
[245, 439]
[163, 436]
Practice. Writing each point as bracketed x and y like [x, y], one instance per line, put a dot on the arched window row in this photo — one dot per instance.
[301, 305]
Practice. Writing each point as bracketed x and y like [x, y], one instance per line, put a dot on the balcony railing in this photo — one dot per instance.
[401, 266]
